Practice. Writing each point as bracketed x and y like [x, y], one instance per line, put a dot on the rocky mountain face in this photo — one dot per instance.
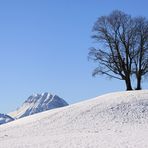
[38, 103]
[5, 118]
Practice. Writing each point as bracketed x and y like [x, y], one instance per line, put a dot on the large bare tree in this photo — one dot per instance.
[118, 53]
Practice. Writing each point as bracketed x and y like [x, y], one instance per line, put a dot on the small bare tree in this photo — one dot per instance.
[141, 51]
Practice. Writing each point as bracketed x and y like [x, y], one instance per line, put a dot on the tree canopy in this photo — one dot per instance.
[124, 53]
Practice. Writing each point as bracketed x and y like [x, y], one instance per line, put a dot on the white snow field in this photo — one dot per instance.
[115, 120]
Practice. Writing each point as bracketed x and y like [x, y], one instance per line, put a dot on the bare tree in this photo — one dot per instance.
[117, 34]
[141, 51]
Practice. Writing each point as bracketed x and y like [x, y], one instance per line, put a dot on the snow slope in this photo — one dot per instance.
[5, 118]
[38, 103]
[116, 120]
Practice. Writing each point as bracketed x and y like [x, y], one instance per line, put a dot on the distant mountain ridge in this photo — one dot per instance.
[38, 103]
[5, 118]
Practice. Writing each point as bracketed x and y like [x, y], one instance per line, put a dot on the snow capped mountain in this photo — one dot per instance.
[116, 120]
[37, 103]
[5, 118]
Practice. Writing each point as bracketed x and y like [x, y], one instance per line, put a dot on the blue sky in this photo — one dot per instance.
[44, 47]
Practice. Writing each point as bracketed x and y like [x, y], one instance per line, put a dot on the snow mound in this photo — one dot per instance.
[5, 118]
[38, 103]
[116, 120]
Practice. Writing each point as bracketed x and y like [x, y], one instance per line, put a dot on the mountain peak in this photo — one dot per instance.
[37, 103]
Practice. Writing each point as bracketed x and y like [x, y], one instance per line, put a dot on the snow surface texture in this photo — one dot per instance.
[5, 118]
[116, 120]
[38, 103]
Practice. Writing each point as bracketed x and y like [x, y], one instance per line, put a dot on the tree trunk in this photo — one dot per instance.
[138, 83]
[128, 84]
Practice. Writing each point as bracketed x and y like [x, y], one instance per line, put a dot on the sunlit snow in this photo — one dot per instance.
[116, 120]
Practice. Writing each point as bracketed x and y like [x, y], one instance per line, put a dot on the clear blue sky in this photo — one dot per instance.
[44, 47]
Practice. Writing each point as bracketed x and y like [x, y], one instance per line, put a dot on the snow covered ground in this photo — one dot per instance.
[116, 120]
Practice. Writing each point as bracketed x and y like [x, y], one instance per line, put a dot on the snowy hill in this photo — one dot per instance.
[5, 118]
[116, 120]
[37, 103]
